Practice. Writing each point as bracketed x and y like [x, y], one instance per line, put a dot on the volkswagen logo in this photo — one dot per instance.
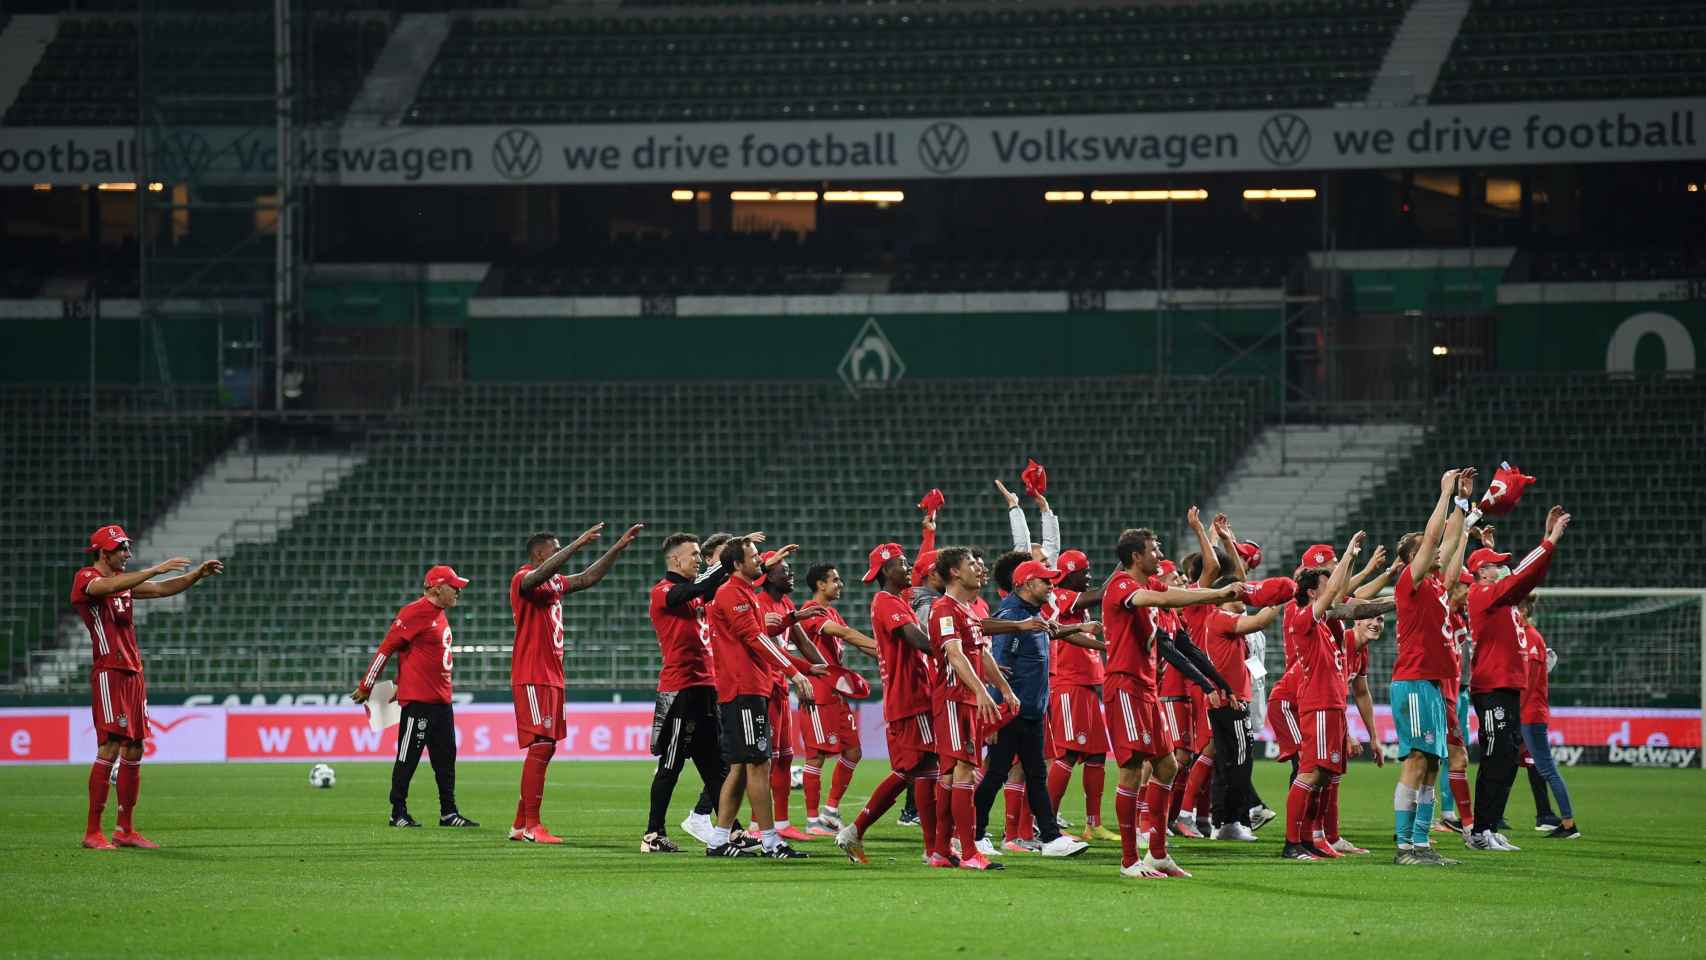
[943, 147]
[184, 153]
[516, 154]
[1284, 139]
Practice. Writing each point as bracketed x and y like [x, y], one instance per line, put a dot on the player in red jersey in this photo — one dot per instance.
[419, 638]
[909, 675]
[104, 595]
[1536, 714]
[1321, 691]
[964, 712]
[746, 655]
[536, 593]
[829, 725]
[1129, 696]
[1457, 813]
[1077, 730]
[1432, 559]
[783, 621]
[1500, 673]
[1362, 633]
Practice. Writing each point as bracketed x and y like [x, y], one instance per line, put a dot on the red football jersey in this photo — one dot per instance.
[832, 648]
[951, 619]
[1224, 647]
[108, 620]
[1130, 634]
[683, 639]
[1190, 620]
[537, 656]
[1424, 637]
[1321, 681]
[1286, 687]
[1070, 664]
[1537, 692]
[908, 673]
[781, 637]
[745, 654]
[420, 640]
[1499, 662]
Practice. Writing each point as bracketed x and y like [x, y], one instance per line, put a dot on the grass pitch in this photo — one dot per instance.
[258, 863]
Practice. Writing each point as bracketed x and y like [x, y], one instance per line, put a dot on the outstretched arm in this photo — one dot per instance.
[1359, 580]
[120, 582]
[155, 589]
[847, 634]
[1222, 529]
[1250, 624]
[555, 561]
[1183, 597]
[1324, 598]
[1210, 562]
[591, 575]
[1423, 561]
[1361, 609]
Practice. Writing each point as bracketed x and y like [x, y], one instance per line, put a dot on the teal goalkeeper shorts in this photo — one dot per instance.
[1418, 711]
[1464, 709]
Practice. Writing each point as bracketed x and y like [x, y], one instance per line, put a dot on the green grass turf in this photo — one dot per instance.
[257, 863]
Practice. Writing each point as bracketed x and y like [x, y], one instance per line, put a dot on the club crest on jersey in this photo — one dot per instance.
[123, 719]
[1428, 737]
[1081, 738]
[1334, 756]
[1498, 713]
[763, 744]
[832, 740]
[1146, 736]
[548, 722]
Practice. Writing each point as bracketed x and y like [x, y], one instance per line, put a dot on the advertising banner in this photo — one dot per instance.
[1452, 135]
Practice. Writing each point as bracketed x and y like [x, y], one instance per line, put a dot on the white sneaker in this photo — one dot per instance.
[852, 844]
[1235, 831]
[986, 848]
[1346, 847]
[1063, 823]
[1261, 817]
[1165, 866]
[1502, 843]
[1141, 870]
[1064, 846]
[699, 827]
[831, 817]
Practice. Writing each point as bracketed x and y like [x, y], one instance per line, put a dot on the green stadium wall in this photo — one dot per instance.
[1561, 337]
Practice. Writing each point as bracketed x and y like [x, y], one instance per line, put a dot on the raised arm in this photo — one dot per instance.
[591, 575]
[1181, 597]
[1456, 539]
[1017, 525]
[555, 561]
[1361, 609]
[120, 582]
[155, 589]
[926, 543]
[1051, 531]
[1376, 560]
[1222, 529]
[1325, 597]
[1423, 561]
[1373, 588]
[1250, 623]
[1531, 570]
[1210, 562]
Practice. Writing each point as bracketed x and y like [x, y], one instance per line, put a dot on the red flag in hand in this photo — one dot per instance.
[1035, 478]
[1505, 490]
[932, 501]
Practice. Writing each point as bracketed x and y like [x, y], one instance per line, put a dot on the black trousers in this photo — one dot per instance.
[430, 727]
[1021, 739]
[1501, 753]
[1234, 758]
[690, 732]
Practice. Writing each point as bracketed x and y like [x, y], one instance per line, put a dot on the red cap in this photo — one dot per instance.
[1071, 560]
[1464, 578]
[932, 501]
[1032, 569]
[880, 557]
[1270, 592]
[1251, 553]
[1481, 558]
[849, 684]
[926, 563]
[765, 557]
[1167, 568]
[442, 574]
[108, 537]
[1320, 555]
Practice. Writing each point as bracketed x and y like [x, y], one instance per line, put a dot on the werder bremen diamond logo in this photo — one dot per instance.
[871, 361]
[943, 147]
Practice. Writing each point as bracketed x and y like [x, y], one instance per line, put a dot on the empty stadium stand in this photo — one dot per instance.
[877, 62]
[477, 468]
[1576, 49]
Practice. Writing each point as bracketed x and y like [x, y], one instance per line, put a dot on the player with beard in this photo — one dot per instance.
[829, 727]
[1129, 696]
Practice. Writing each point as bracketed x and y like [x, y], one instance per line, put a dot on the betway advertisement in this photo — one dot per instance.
[622, 731]
[1606, 131]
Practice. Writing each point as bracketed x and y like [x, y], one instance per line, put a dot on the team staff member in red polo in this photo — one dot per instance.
[419, 639]
[104, 594]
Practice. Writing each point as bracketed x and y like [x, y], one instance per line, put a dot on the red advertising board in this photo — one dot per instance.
[483, 732]
[35, 736]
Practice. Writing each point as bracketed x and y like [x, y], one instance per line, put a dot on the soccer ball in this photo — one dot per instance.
[321, 776]
[796, 777]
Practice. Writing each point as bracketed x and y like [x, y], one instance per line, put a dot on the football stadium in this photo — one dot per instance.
[1216, 477]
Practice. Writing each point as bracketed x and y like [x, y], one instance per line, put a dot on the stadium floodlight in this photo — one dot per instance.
[1146, 196]
[1063, 196]
[1281, 193]
[773, 196]
[681, 196]
[864, 196]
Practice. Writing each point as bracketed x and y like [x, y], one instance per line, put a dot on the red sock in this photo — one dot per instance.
[1094, 775]
[924, 796]
[945, 814]
[965, 818]
[521, 802]
[1143, 824]
[1316, 814]
[1203, 798]
[812, 784]
[1015, 805]
[1125, 809]
[1297, 810]
[779, 785]
[1202, 772]
[533, 779]
[1458, 780]
[1330, 812]
[1059, 775]
[129, 783]
[1176, 804]
[880, 801]
[98, 785]
[839, 779]
[1160, 798]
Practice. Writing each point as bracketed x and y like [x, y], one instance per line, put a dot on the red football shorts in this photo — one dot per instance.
[538, 714]
[828, 727]
[1180, 719]
[1323, 741]
[911, 740]
[1448, 690]
[1288, 734]
[1135, 729]
[1204, 734]
[957, 733]
[119, 704]
[1075, 721]
[781, 722]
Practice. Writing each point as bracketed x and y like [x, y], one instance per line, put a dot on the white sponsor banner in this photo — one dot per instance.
[1600, 131]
